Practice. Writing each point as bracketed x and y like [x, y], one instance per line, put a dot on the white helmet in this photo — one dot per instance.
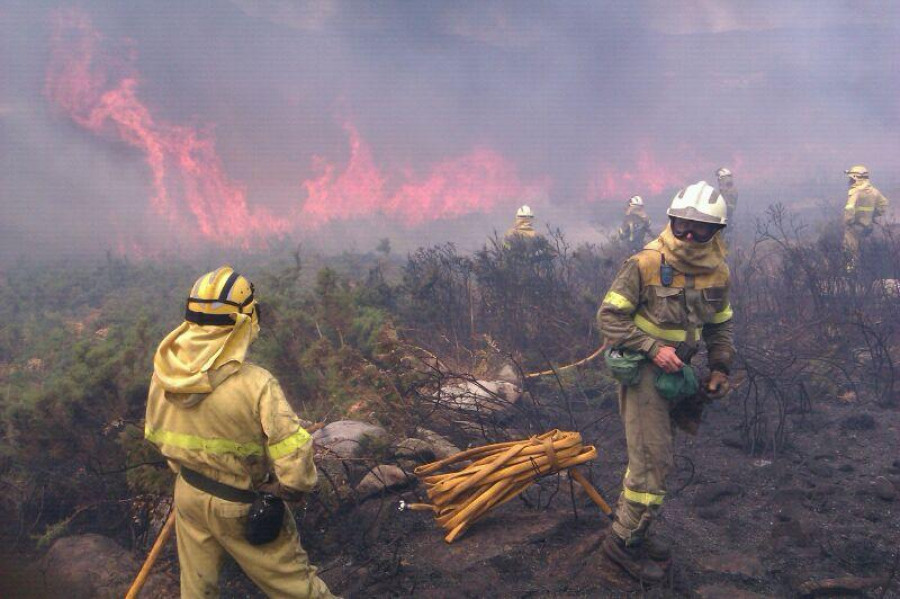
[636, 201]
[700, 202]
[723, 172]
[525, 211]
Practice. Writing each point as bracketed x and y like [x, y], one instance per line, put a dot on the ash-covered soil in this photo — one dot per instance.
[825, 507]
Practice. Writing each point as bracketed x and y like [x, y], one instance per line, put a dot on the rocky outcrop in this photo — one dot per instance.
[348, 438]
[95, 567]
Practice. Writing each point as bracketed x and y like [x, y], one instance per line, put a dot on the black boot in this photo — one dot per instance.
[632, 559]
[656, 549]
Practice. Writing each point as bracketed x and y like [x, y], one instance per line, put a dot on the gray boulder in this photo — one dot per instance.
[347, 438]
[92, 566]
[479, 396]
[381, 479]
[440, 446]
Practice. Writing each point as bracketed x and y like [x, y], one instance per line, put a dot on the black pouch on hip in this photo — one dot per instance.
[265, 519]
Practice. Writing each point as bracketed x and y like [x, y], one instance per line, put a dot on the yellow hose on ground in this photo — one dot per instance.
[494, 474]
[533, 375]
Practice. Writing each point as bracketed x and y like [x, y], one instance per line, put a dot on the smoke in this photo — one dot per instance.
[240, 123]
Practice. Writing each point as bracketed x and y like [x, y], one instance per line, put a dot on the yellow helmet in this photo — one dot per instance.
[218, 296]
[858, 171]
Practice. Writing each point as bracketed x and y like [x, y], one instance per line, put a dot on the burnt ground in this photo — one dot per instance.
[824, 507]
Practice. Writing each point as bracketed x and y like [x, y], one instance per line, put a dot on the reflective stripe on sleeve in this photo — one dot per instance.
[619, 301]
[642, 498]
[676, 335]
[723, 316]
[290, 444]
[195, 443]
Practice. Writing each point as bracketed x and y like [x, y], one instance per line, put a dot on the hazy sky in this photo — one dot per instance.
[128, 125]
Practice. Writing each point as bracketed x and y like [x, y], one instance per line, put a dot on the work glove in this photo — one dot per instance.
[717, 386]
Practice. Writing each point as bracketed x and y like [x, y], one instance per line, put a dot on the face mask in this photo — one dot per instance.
[690, 230]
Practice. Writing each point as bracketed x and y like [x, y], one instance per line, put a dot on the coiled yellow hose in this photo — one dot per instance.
[496, 473]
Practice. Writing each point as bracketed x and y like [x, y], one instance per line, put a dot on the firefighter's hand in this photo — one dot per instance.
[667, 359]
[717, 385]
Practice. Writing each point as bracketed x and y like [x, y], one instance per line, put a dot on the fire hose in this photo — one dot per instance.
[164, 535]
[532, 375]
[494, 474]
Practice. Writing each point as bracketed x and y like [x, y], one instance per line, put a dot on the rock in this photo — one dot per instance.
[792, 533]
[821, 469]
[711, 513]
[789, 495]
[441, 447]
[510, 374]
[382, 478]
[723, 591]
[733, 441]
[741, 564]
[347, 438]
[715, 492]
[479, 396]
[416, 450]
[858, 422]
[94, 566]
[884, 489]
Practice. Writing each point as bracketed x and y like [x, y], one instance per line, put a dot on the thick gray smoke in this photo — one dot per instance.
[576, 105]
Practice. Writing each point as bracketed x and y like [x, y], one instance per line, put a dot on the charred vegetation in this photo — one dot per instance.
[798, 465]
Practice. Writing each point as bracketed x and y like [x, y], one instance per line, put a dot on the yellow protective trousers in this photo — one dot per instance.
[648, 433]
[208, 527]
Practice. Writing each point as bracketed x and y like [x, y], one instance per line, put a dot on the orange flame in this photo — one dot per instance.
[478, 182]
[83, 84]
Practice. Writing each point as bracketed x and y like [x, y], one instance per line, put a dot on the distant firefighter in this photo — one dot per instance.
[524, 226]
[663, 302]
[635, 228]
[728, 191]
[865, 205]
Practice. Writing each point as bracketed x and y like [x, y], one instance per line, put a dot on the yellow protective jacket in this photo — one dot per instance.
[864, 204]
[524, 227]
[235, 434]
[636, 226]
[641, 314]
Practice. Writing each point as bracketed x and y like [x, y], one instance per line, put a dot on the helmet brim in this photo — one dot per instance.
[691, 213]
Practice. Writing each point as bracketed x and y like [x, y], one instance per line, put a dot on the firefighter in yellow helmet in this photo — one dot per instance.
[864, 206]
[636, 227]
[226, 428]
[524, 226]
[664, 300]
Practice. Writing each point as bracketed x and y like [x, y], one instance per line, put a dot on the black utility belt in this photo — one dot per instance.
[217, 489]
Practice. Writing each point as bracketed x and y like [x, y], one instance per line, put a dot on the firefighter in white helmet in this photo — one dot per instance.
[226, 428]
[636, 227]
[524, 226]
[865, 204]
[665, 299]
[726, 187]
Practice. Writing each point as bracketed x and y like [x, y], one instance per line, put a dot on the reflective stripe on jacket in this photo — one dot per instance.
[641, 314]
[236, 434]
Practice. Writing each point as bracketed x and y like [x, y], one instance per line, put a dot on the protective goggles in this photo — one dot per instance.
[692, 230]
